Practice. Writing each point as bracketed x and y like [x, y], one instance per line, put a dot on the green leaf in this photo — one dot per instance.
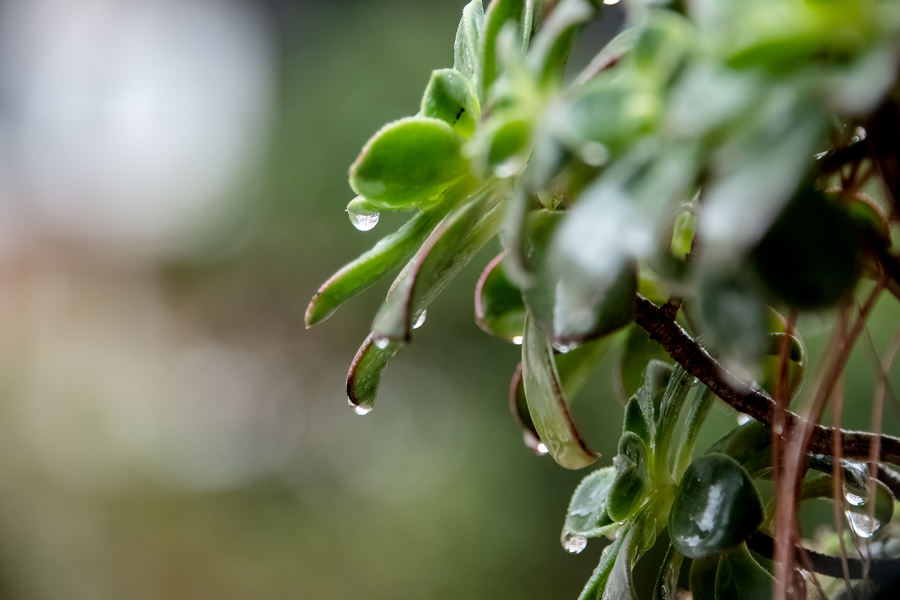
[547, 403]
[676, 391]
[365, 374]
[639, 350]
[716, 507]
[620, 584]
[739, 577]
[597, 583]
[703, 400]
[667, 582]
[451, 97]
[552, 44]
[630, 488]
[635, 422]
[447, 250]
[608, 56]
[518, 406]
[407, 162]
[388, 254]
[656, 381]
[587, 516]
[797, 361]
[734, 317]
[811, 257]
[466, 54]
[500, 12]
[703, 577]
[750, 445]
[499, 308]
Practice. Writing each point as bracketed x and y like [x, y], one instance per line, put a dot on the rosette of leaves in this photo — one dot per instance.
[715, 166]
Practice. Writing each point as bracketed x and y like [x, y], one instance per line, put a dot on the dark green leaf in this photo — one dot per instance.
[739, 577]
[552, 44]
[677, 390]
[703, 578]
[365, 374]
[500, 12]
[716, 507]
[587, 516]
[499, 308]
[639, 350]
[547, 403]
[703, 400]
[518, 406]
[597, 583]
[629, 490]
[451, 98]
[635, 422]
[667, 583]
[448, 249]
[388, 254]
[407, 162]
[466, 54]
[811, 257]
[734, 317]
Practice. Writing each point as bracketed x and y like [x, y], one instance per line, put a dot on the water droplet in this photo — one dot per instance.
[854, 499]
[517, 340]
[420, 320]
[743, 419]
[565, 348]
[862, 525]
[594, 154]
[363, 220]
[819, 155]
[574, 544]
[610, 2]
[382, 343]
[541, 449]
[359, 408]
[509, 168]
[859, 134]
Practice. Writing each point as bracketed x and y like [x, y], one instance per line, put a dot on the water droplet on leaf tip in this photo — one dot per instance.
[382, 343]
[420, 320]
[359, 408]
[854, 499]
[541, 449]
[610, 2]
[517, 340]
[862, 525]
[362, 220]
[574, 544]
[743, 419]
[565, 348]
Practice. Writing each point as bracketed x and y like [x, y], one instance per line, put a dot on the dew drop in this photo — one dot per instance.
[862, 525]
[382, 343]
[859, 134]
[565, 348]
[743, 419]
[610, 2]
[854, 499]
[541, 449]
[820, 155]
[363, 220]
[517, 340]
[574, 544]
[359, 408]
[420, 320]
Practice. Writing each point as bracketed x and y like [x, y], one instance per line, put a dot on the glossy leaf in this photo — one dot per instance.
[597, 583]
[629, 490]
[739, 577]
[637, 353]
[499, 308]
[407, 162]
[498, 14]
[667, 582]
[365, 374]
[635, 421]
[620, 585]
[810, 258]
[677, 390]
[466, 53]
[388, 254]
[703, 400]
[551, 45]
[547, 403]
[447, 250]
[587, 516]
[716, 507]
[750, 445]
[703, 577]
[451, 97]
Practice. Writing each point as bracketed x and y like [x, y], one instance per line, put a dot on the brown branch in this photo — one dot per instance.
[756, 403]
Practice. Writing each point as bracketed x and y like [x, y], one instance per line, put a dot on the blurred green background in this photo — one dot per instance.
[173, 194]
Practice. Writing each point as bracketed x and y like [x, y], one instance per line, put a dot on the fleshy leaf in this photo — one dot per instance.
[810, 258]
[620, 585]
[499, 308]
[595, 586]
[499, 12]
[451, 97]
[703, 577]
[703, 400]
[551, 45]
[587, 516]
[407, 162]
[734, 317]
[547, 403]
[447, 250]
[388, 254]
[365, 374]
[677, 390]
[630, 487]
[639, 350]
[716, 507]
[667, 582]
[608, 56]
[739, 577]
[466, 54]
[635, 422]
